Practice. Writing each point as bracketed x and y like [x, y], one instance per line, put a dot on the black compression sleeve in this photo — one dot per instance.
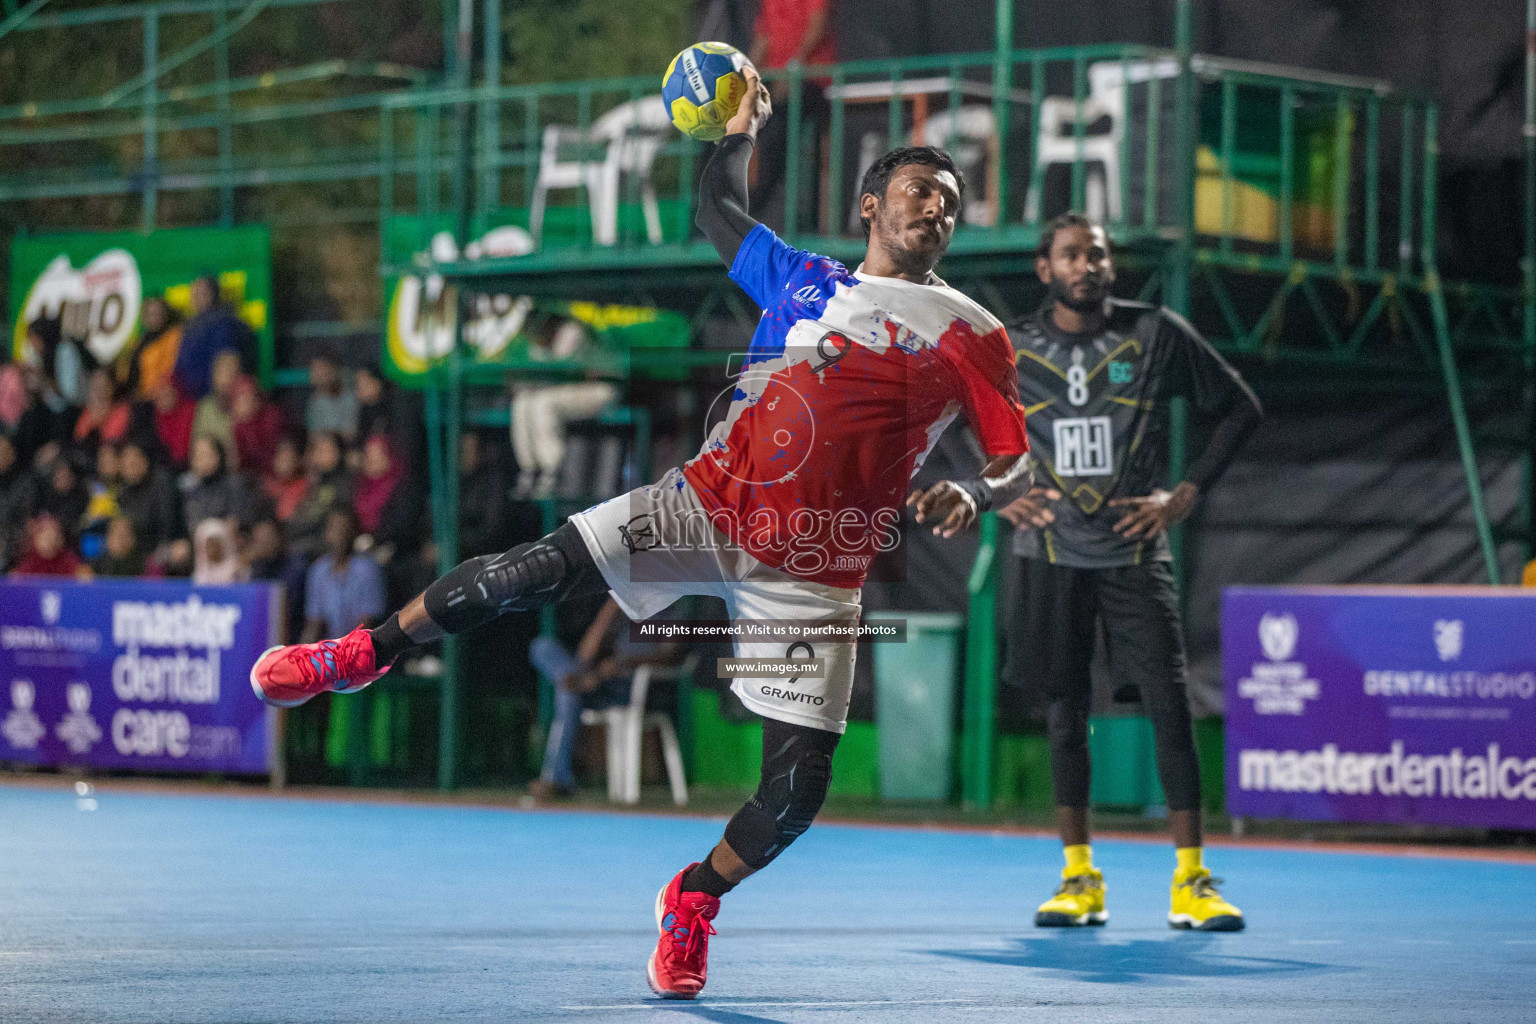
[723, 213]
[1240, 421]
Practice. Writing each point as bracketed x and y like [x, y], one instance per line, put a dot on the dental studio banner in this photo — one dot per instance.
[1401, 704]
[134, 674]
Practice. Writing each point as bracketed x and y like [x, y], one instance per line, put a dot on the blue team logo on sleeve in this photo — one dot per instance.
[790, 284]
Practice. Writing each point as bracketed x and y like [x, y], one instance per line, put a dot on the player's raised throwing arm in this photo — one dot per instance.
[723, 215]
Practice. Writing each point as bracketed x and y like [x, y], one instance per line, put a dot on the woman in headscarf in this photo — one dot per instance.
[122, 556]
[64, 495]
[258, 426]
[26, 420]
[104, 420]
[174, 412]
[387, 507]
[18, 499]
[214, 492]
[48, 552]
[327, 485]
[216, 559]
[159, 342]
[284, 481]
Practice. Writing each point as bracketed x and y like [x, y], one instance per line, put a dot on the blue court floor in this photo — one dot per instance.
[192, 909]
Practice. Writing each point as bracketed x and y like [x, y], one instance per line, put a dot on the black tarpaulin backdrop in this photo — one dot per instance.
[1336, 486]
[1466, 54]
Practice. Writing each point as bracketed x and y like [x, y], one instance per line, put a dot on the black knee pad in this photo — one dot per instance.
[527, 576]
[793, 787]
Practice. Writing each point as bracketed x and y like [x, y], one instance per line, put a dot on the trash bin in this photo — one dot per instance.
[915, 706]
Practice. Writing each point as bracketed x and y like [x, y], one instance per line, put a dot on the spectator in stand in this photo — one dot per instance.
[44, 335]
[64, 496]
[258, 427]
[60, 363]
[48, 552]
[261, 551]
[214, 328]
[373, 412]
[149, 498]
[344, 588]
[790, 30]
[102, 506]
[213, 418]
[332, 405]
[540, 412]
[25, 417]
[174, 413]
[105, 416]
[18, 500]
[213, 492]
[327, 486]
[216, 560]
[159, 344]
[386, 508]
[482, 499]
[122, 556]
[598, 674]
[284, 483]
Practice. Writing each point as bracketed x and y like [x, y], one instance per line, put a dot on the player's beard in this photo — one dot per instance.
[1091, 301]
[915, 262]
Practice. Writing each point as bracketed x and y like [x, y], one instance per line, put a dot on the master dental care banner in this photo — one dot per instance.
[134, 674]
[1398, 704]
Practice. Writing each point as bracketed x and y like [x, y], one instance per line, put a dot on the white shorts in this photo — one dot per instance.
[655, 545]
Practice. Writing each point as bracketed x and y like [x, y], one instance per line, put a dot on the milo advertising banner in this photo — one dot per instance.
[500, 327]
[95, 284]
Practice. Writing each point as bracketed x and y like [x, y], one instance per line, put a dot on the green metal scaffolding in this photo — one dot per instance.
[1363, 291]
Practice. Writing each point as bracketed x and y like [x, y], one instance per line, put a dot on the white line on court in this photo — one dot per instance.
[769, 1004]
[1315, 942]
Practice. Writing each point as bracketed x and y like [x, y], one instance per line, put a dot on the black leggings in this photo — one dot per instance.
[797, 760]
[1051, 647]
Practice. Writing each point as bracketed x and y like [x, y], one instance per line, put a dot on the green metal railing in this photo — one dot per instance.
[1245, 193]
[888, 102]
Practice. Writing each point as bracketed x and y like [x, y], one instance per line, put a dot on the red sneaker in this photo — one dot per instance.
[677, 969]
[286, 677]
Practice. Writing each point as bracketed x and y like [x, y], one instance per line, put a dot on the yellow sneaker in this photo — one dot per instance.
[1079, 901]
[1196, 903]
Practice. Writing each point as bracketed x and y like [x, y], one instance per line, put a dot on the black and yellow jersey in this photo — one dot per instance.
[1097, 408]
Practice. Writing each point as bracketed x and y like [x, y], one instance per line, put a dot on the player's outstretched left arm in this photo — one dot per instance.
[954, 505]
[723, 215]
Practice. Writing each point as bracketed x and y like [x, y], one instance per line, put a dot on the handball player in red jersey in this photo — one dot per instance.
[850, 378]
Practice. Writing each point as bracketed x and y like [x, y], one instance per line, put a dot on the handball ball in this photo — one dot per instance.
[703, 88]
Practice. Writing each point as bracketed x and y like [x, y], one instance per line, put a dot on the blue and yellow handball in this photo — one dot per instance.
[703, 88]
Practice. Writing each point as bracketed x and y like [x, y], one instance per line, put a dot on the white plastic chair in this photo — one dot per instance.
[626, 725]
[1054, 143]
[969, 135]
[625, 140]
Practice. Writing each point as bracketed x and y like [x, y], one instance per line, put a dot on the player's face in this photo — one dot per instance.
[917, 217]
[1079, 272]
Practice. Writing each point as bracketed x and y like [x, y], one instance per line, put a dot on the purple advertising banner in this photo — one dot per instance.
[1401, 704]
[134, 674]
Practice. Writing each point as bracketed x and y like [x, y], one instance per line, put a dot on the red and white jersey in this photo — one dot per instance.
[849, 382]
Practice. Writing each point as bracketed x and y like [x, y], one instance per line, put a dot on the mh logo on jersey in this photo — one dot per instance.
[808, 296]
[1084, 446]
